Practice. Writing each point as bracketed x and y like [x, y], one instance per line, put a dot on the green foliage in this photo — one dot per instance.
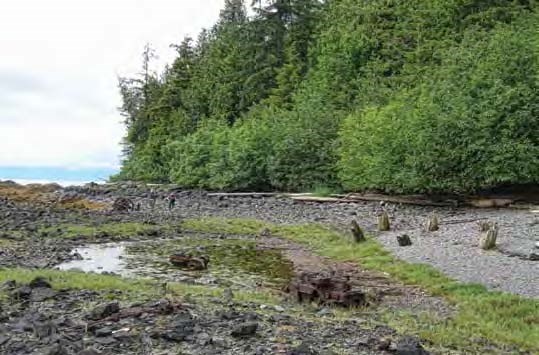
[414, 96]
[471, 123]
[498, 318]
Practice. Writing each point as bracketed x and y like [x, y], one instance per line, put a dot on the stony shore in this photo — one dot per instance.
[40, 318]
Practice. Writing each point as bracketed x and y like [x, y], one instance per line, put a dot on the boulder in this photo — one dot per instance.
[244, 329]
[104, 310]
[404, 240]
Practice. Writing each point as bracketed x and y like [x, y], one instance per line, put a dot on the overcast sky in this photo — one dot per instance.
[59, 62]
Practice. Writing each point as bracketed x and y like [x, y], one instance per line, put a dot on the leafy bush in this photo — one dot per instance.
[472, 122]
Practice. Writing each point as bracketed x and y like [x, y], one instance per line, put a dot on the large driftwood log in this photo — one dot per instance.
[407, 200]
[242, 194]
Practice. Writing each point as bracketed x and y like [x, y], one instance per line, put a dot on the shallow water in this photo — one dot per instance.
[233, 262]
[98, 258]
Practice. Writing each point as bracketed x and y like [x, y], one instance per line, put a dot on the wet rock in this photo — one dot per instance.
[103, 332]
[245, 329]
[41, 294]
[409, 346]
[189, 262]
[104, 310]
[39, 282]
[404, 240]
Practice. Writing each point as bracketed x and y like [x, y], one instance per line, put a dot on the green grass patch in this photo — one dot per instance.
[133, 288]
[495, 317]
[128, 229]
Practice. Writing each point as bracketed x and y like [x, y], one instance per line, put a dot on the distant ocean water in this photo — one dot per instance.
[61, 175]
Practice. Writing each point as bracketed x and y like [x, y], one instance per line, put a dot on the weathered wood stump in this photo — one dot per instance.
[326, 289]
[404, 240]
[189, 262]
[432, 223]
[383, 222]
[357, 232]
[488, 238]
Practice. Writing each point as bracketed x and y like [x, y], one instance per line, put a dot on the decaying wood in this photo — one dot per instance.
[383, 222]
[307, 198]
[488, 238]
[408, 200]
[432, 223]
[357, 232]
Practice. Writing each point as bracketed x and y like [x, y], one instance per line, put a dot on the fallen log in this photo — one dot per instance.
[407, 200]
[243, 194]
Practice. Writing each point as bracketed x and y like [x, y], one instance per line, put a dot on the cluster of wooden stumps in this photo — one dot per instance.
[487, 240]
[326, 289]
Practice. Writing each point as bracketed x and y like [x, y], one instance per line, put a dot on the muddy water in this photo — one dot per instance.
[233, 262]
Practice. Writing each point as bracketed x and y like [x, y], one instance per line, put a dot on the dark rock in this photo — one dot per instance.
[56, 350]
[45, 329]
[404, 240]
[89, 351]
[179, 331]
[104, 310]
[21, 293]
[534, 256]
[409, 346]
[105, 340]
[41, 294]
[245, 329]
[103, 332]
[303, 349]
[4, 339]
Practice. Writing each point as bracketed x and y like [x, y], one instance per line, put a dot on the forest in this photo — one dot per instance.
[399, 96]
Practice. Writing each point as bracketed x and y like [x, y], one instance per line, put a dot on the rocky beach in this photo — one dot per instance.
[83, 273]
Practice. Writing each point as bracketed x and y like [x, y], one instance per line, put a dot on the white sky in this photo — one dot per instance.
[59, 62]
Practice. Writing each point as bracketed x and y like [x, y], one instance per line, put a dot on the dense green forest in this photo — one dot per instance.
[392, 95]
